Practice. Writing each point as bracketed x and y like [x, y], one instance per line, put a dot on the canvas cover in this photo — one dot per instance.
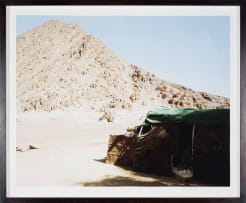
[188, 116]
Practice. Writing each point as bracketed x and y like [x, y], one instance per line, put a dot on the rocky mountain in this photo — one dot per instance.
[61, 66]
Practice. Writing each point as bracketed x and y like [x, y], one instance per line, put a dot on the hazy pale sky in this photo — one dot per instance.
[192, 51]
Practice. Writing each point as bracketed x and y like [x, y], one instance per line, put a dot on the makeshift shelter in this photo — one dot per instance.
[188, 143]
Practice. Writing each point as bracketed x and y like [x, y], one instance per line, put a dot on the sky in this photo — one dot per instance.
[193, 51]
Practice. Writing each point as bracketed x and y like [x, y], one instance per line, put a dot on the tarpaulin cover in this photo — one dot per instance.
[188, 116]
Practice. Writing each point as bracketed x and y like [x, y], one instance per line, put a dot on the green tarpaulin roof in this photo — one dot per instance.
[189, 116]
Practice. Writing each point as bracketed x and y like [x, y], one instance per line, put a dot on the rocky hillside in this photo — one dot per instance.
[60, 66]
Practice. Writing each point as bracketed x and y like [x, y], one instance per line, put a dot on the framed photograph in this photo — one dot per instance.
[123, 101]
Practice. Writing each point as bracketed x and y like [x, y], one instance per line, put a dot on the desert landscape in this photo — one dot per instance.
[72, 92]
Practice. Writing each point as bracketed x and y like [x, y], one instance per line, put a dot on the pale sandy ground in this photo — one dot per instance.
[71, 147]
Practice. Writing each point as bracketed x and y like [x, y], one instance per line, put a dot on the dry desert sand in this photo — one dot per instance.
[72, 93]
[71, 152]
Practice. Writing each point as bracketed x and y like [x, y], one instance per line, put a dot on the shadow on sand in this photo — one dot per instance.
[122, 181]
[136, 179]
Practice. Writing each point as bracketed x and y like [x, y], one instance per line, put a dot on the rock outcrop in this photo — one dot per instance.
[61, 66]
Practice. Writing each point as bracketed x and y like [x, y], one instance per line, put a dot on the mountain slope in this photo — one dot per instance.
[60, 66]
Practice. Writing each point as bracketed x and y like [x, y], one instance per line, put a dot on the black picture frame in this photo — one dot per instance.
[4, 4]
